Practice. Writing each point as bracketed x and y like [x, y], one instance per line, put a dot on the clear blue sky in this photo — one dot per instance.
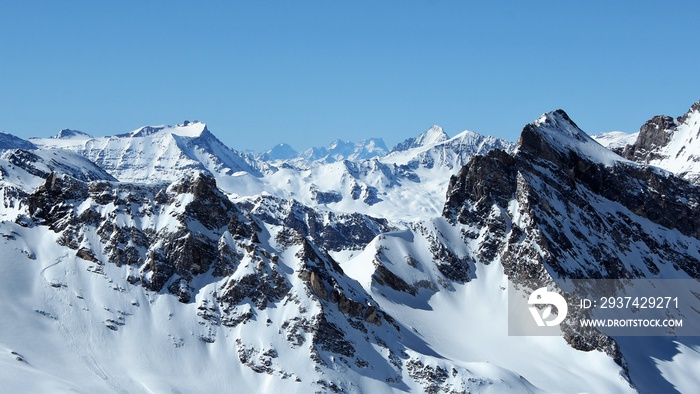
[307, 72]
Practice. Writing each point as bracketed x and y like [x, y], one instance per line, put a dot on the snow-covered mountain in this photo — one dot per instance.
[338, 150]
[279, 152]
[432, 136]
[562, 206]
[9, 141]
[28, 168]
[344, 177]
[402, 185]
[434, 149]
[615, 140]
[156, 153]
[24, 167]
[128, 284]
[176, 264]
[672, 144]
[68, 134]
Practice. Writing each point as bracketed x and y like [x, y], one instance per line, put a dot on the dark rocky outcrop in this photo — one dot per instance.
[180, 250]
[384, 277]
[551, 186]
[329, 230]
[654, 134]
[552, 212]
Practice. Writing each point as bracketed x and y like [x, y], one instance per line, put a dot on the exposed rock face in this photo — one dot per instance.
[654, 134]
[329, 230]
[177, 248]
[541, 187]
[693, 109]
[551, 212]
[489, 178]
[384, 277]
[672, 144]
[643, 190]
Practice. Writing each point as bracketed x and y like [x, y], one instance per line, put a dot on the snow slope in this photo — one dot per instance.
[466, 322]
[615, 139]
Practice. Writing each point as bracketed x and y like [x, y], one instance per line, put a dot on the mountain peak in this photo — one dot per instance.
[68, 134]
[339, 144]
[279, 152]
[432, 136]
[559, 120]
[373, 145]
[695, 108]
[186, 129]
[556, 132]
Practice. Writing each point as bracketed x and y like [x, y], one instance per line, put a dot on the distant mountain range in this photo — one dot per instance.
[338, 150]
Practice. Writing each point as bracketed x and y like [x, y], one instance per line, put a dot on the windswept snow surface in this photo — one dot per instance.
[681, 370]
[615, 139]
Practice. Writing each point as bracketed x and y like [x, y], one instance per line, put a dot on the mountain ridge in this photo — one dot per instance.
[669, 143]
[432, 136]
